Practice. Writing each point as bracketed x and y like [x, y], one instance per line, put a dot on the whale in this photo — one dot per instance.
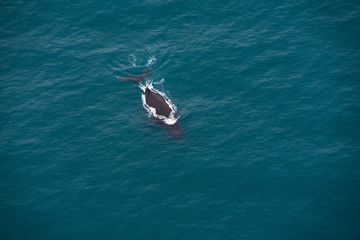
[157, 104]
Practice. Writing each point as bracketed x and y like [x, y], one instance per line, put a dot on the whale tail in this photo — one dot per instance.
[136, 78]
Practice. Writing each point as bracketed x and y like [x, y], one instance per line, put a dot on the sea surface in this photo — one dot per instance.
[268, 94]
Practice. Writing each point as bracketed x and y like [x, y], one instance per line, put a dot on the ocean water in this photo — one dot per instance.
[268, 94]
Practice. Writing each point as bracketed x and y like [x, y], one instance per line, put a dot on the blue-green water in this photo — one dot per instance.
[269, 98]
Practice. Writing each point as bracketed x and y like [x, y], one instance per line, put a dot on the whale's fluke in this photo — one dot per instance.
[137, 78]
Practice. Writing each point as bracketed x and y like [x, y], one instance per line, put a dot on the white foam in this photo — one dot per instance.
[150, 61]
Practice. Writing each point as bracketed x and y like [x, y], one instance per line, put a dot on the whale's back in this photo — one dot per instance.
[157, 102]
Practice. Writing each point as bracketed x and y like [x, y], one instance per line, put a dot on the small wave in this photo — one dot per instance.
[133, 60]
[150, 61]
[160, 82]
